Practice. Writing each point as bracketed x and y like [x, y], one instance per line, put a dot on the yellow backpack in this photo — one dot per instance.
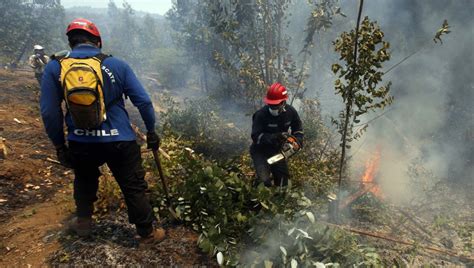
[83, 85]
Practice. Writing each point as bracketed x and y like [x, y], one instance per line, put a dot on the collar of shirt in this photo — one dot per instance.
[84, 50]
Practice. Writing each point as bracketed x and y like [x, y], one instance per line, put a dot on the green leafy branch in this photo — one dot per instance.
[444, 30]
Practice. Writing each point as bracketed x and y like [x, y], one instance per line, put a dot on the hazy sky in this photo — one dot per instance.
[151, 6]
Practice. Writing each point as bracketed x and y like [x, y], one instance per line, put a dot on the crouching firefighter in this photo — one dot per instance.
[277, 133]
[92, 85]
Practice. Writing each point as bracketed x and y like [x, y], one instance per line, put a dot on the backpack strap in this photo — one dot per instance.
[60, 55]
[101, 57]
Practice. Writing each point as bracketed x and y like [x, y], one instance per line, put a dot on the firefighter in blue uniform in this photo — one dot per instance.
[113, 142]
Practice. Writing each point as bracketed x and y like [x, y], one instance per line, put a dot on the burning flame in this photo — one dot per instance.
[371, 170]
[367, 182]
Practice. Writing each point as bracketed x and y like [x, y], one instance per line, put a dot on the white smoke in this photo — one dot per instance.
[432, 114]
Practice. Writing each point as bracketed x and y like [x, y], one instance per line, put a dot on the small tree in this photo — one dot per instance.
[363, 52]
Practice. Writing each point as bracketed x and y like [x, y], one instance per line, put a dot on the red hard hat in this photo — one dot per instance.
[276, 93]
[85, 25]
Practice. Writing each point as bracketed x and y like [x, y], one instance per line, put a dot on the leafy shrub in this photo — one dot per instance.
[249, 225]
[253, 225]
[304, 241]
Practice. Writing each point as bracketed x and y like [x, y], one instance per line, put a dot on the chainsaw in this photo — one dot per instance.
[289, 148]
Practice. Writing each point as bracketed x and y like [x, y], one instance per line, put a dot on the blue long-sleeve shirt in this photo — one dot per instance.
[119, 79]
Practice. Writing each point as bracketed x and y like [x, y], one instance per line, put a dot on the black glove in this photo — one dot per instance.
[268, 183]
[277, 139]
[62, 152]
[152, 141]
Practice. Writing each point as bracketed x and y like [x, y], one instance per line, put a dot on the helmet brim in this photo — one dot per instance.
[273, 102]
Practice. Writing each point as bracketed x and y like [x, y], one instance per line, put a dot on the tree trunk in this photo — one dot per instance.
[22, 51]
[267, 41]
[262, 67]
[300, 76]
[347, 116]
[205, 85]
[279, 16]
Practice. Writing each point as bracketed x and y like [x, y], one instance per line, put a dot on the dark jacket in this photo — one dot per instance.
[264, 125]
[119, 79]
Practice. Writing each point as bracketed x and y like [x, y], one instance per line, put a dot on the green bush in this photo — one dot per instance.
[250, 225]
[212, 192]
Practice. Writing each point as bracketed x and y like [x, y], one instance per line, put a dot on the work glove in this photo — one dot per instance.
[153, 141]
[267, 183]
[62, 153]
[277, 139]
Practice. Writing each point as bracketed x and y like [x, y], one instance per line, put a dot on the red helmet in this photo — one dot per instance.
[85, 25]
[276, 93]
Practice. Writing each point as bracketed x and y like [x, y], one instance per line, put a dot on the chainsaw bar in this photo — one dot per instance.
[275, 158]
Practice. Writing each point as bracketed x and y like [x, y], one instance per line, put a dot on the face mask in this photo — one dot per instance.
[277, 110]
[274, 112]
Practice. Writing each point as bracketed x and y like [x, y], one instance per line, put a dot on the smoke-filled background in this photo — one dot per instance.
[426, 135]
[429, 127]
[431, 121]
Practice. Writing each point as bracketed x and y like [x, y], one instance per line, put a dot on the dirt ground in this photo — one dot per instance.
[26, 177]
[36, 200]
[30, 236]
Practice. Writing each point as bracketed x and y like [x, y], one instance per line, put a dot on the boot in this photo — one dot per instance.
[155, 237]
[81, 226]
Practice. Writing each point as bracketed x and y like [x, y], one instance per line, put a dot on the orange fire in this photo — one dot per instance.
[367, 183]
[371, 170]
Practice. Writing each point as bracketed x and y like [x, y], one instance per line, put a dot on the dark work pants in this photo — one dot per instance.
[279, 170]
[38, 77]
[124, 160]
